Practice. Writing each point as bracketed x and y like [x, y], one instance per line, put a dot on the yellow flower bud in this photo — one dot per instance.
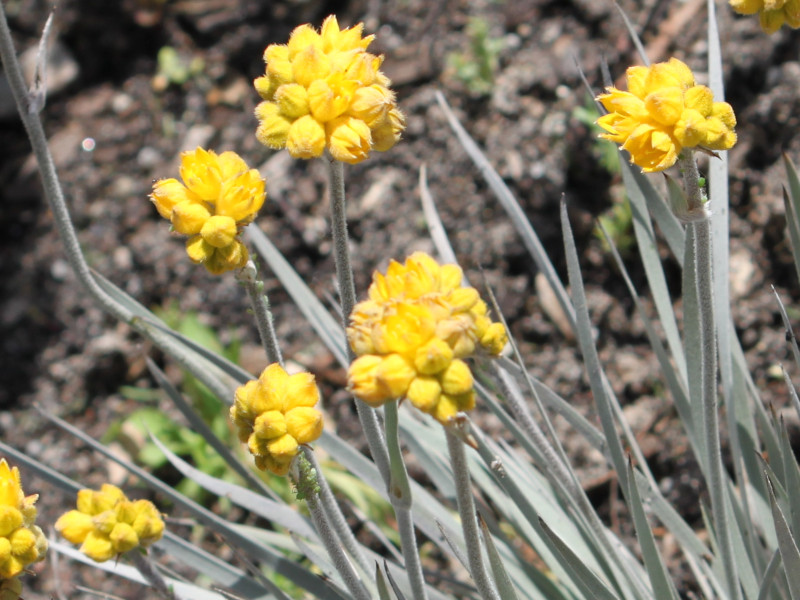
[242, 197]
[279, 66]
[701, 99]
[265, 86]
[201, 173]
[233, 256]
[148, 524]
[219, 231]
[98, 547]
[283, 447]
[270, 425]
[433, 357]
[10, 519]
[309, 64]
[273, 128]
[424, 392]
[188, 218]
[457, 378]
[306, 138]
[395, 374]
[199, 250]
[292, 100]
[168, 193]
[5, 550]
[691, 129]
[349, 139]
[665, 105]
[74, 526]
[724, 112]
[445, 409]
[371, 103]
[386, 132]
[23, 545]
[362, 380]
[301, 38]
[304, 424]
[123, 538]
[495, 338]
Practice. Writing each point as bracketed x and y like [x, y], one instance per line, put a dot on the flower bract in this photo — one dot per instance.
[412, 334]
[21, 541]
[662, 112]
[218, 197]
[275, 414]
[106, 523]
[772, 14]
[323, 90]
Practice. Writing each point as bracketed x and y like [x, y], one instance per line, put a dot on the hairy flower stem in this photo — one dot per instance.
[28, 112]
[329, 539]
[347, 296]
[334, 513]
[705, 294]
[400, 497]
[145, 566]
[261, 310]
[469, 521]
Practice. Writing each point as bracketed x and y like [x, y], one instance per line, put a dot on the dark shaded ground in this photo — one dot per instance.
[61, 352]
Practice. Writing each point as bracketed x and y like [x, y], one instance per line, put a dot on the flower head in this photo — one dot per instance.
[323, 90]
[772, 14]
[662, 112]
[218, 197]
[21, 541]
[276, 413]
[107, 524]
[412, 333]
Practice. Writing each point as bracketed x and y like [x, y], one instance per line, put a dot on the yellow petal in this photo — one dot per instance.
[433, 357]
[270, 425]
[188, 218]
[74, 526]
[457, 378]
[304, 424]
[349, 139]
[395, 374]
[292, 100]
[306, 138]
[424, 392]
[665, 105]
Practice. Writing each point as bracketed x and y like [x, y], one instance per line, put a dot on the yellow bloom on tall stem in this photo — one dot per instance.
[107, 524]
[218, 197]
[411, 334]
[662, 112]
[21, 541]
[275, 414]
[772, 14]
[323, 90]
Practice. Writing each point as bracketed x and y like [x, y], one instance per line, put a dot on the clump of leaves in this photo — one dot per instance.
[477, 66]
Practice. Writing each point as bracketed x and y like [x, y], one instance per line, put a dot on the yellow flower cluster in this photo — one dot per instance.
[21, 541]
[218, 197]
[412, 333]
[663, 112]
[107, 524]
[772, 14]
[324, 90]
[274, 414]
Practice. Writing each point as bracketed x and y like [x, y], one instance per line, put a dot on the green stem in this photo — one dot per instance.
[347, 296]
[400, 497]
[469, 522]
[261, 310]
[66, 231]
[310, 490]
[334, 513]
[708, 346]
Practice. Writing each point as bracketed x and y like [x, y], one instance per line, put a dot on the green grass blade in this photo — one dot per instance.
[512, 208]
[200, 426]
[790, 555]
[675, 384]
[589, 583]
[221, 572]
[435, 226]
[264, 507]
[653, 266]
[791, 201]
[275, 560]
[774, 565]
[660, 581]
[329, 330]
